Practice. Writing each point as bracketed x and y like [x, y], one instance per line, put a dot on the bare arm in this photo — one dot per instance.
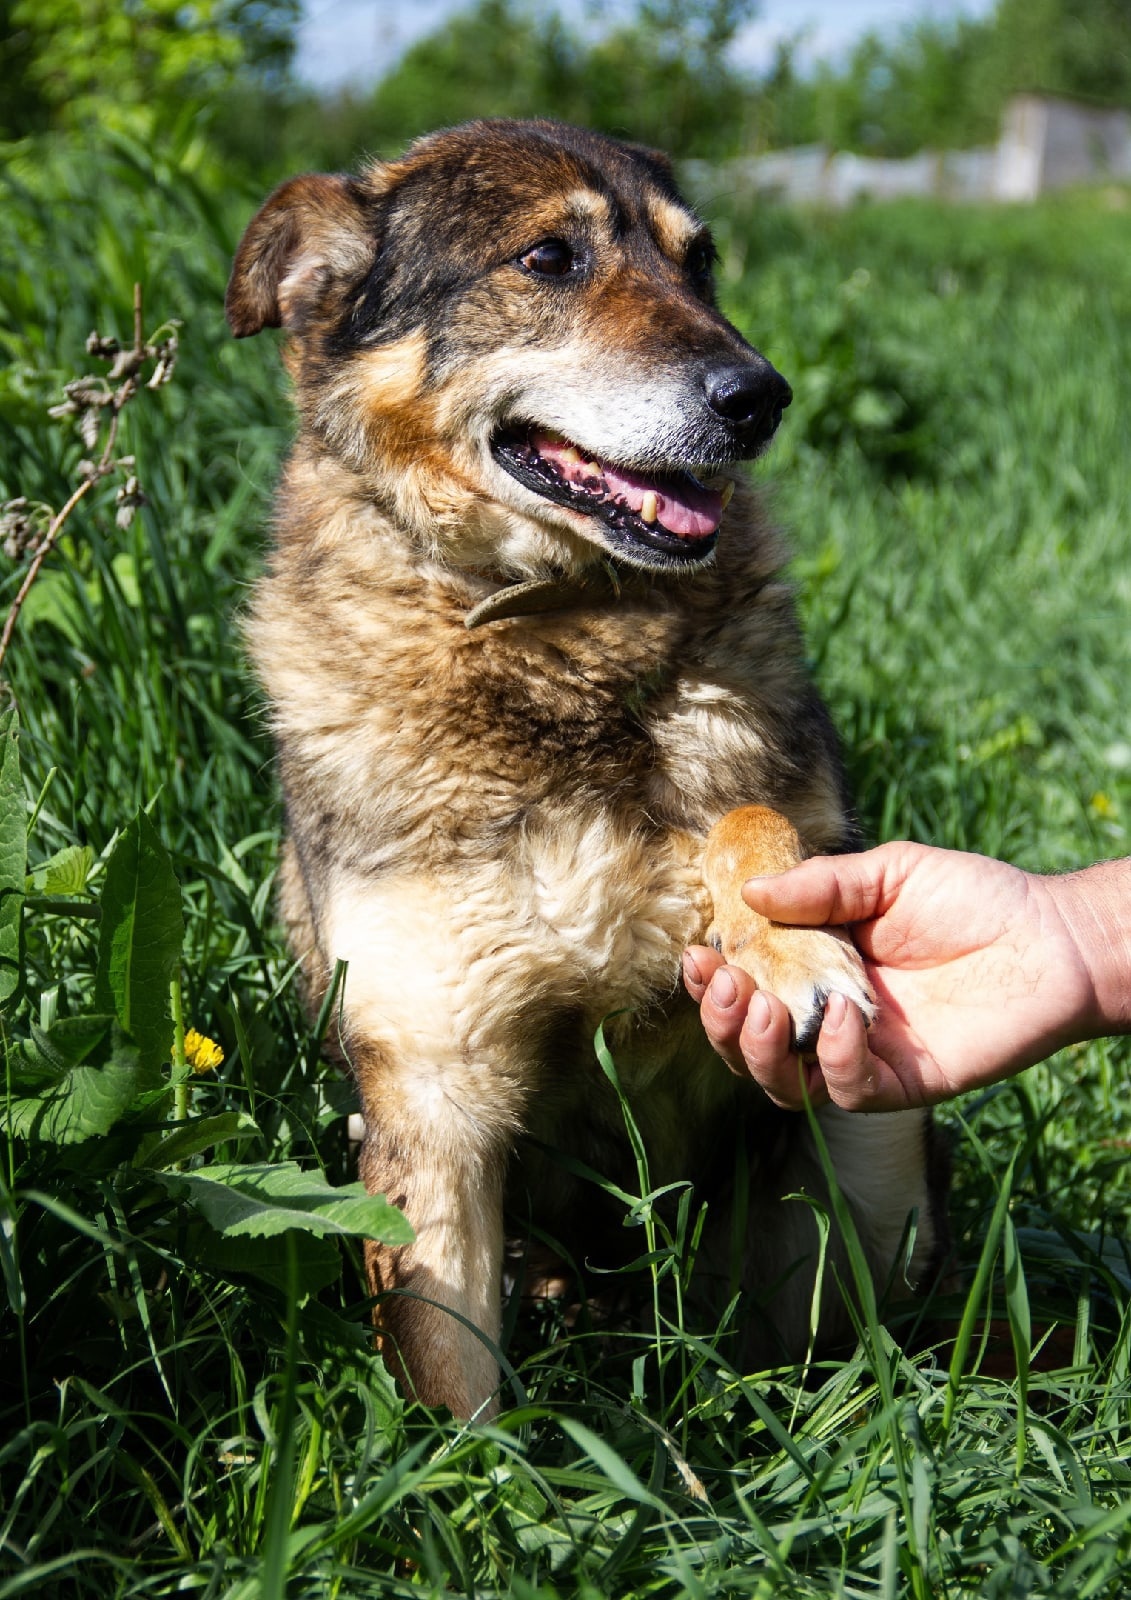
[980, 969]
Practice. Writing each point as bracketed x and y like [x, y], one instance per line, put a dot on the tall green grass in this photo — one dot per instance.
[956, 481]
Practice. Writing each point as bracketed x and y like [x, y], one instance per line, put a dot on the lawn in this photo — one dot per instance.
[188, 1408]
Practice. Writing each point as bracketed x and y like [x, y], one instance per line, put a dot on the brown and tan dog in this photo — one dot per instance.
[540, 709]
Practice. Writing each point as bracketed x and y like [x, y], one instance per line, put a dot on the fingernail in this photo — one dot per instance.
[690, 968]
[724, 991]
[836, 1009]
[758, 1016]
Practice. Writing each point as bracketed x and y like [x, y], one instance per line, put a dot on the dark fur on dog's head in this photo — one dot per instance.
[509, 337]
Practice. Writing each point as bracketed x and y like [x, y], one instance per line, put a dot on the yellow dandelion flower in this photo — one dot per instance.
[202, 1054]
[1101, 805]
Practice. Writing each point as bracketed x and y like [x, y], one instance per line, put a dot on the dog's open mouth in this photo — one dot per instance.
[670, 513]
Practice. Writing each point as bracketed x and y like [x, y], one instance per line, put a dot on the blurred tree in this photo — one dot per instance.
[499, 58]
[898, 95]
[661, 76]
[1078, 48]
[23, 109]
[664, 77]
[110, 60]
[945, 85]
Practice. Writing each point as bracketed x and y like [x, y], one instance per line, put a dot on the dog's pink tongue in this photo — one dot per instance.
[687, 509]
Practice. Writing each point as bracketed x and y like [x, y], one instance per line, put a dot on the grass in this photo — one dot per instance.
[184, 1412]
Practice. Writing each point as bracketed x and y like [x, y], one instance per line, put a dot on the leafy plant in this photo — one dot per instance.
[191, 1402]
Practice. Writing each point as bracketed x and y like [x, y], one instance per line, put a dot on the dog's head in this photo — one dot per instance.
[510, 337]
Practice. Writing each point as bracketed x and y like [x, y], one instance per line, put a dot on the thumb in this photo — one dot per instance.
[826, 889]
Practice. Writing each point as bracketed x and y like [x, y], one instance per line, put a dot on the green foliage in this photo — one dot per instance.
[138, 61]
[72, 1081]
[944, 84]
[261, 1201]
[189, 1409]
[140, 933]
[1081, 49]
[659, 77]
[662, 75]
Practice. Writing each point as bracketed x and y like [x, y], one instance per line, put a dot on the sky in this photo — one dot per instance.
[357, 41]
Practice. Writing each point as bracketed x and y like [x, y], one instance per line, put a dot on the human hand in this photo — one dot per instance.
[980, 969]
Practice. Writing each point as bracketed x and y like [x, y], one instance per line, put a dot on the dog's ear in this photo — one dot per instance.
[312, 231]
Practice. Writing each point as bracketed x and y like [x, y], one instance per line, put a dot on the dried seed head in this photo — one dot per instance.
[19, 527]
[166, 357]
[89, 424]
[89, 391]
[126, 363]
[96, 345]
[128, 498]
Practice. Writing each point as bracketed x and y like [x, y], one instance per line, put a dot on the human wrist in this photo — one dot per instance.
[1095, 905]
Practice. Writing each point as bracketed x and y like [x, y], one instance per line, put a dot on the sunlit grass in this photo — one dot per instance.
[956, 482]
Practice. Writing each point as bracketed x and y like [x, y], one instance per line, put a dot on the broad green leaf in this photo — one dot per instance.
[200, 1134]
[260, 1200]
[65, 872]
[85, 1100]
[319, 1260]
[139, 941]
[52, 1052]
[13, 854]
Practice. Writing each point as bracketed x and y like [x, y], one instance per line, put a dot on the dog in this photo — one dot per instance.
[540, 707]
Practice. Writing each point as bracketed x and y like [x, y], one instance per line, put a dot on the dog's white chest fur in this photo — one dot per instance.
[580, 914]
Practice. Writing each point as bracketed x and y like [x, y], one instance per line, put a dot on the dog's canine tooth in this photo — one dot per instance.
[648, 507]
[727, 492]
[572, 454]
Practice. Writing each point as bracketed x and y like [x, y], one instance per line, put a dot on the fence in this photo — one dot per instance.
[1045, 144]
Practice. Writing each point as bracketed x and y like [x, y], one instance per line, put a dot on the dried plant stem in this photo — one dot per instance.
[55, 527]
[102, 469]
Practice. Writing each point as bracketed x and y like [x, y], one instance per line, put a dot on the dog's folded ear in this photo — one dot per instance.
[313, 231]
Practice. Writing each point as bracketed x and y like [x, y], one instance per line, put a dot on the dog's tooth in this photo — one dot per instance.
[648, 507]
[728, 491]
[571, 454]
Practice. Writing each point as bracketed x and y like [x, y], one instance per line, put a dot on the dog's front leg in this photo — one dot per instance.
[437, 1291]
[802, 966]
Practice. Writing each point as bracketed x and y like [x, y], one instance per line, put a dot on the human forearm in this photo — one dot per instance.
[1095, 906]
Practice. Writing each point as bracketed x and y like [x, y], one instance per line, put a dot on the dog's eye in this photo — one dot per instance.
[552, 258]
[700, 260]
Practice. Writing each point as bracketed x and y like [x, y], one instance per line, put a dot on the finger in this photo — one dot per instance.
[700, 963]
[725, 1004]
[855, 1078]
[829, 889]
[771, 1058]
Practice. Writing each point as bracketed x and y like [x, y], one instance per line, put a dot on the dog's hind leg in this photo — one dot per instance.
[802, 966]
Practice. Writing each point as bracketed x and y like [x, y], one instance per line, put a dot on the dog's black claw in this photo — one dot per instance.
[805, 1036]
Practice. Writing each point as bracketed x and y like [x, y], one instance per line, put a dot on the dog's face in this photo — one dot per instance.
[510, 337]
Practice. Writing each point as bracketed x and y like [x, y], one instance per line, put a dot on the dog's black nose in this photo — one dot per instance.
[751, 398]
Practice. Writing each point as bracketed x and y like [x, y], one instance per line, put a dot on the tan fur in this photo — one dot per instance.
[510, 832]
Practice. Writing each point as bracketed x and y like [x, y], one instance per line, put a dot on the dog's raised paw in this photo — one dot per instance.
[802, 966]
